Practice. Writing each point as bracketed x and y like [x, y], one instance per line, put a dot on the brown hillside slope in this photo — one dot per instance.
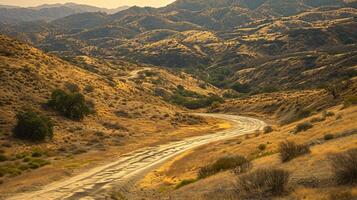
[126, 109]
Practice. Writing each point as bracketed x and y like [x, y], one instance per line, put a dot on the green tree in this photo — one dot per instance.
[33, 126]
[70, 105]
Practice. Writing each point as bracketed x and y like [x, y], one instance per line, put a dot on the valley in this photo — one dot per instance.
[199, 99]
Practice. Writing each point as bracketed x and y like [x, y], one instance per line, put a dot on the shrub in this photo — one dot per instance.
[185, 182]
[328, 137]
[37, 152]
[3, 158]
[238, 163]
[344, 166]
[241, 88]
[195, 103]
[70, 105]
[350, 100]
[327, 114]
[268, 129]
[88, 89]
[37, 163]
[303, 114]
[202, 85]
[289, 150]
[262, 183]
[303, 127]
[317, 119]
[72, 87]
[262, 147]
[33, 126]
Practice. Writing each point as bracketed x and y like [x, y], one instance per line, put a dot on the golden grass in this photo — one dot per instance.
[314, 164]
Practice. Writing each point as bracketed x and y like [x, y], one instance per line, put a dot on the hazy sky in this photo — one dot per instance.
[100, 3]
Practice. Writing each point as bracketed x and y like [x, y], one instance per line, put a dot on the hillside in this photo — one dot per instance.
[129, 102]
[200, 99]
[224, 43]
[311, 175]
[48, 12]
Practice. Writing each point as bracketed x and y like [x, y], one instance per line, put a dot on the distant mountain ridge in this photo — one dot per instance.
[48, 12]
[261, 43]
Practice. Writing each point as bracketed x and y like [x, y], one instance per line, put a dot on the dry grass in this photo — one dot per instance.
[240, 164]
[28, 76]
[289, 150]
[344, 165]
[262, 183]
[316, 165]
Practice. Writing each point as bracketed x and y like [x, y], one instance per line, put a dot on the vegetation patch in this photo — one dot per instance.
[241, 88]
[262, 183]
[33, 126]
[238, 163]
[3, 158]
[328, 137]
[185, 182]
[262, 147]
[350, 101]
[344, 166]
[71, 105]
[193, 100]
[303, 127]
[290, 150]
[268, 129]
[37, 163]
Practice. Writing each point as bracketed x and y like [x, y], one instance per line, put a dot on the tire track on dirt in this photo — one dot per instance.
[132, 166]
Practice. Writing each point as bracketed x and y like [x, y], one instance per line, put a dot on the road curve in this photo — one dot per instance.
[130, 167]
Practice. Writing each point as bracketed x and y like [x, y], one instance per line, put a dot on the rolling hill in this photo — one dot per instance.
[232, 41]
[48, 12]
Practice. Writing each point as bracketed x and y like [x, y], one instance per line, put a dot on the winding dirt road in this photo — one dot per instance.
[123, 173]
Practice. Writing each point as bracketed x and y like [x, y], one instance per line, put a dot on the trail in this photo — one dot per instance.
[130, 167]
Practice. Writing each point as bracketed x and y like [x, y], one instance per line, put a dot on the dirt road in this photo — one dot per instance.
[95, 183]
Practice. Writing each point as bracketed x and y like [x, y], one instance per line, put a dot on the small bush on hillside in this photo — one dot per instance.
[195, 103]
[241, 88]
[262, 147]
[328, 137]
[202, 85]
[33, 126]
[3, 158]
[72, 87]
[268, 129]
[350, 101]
[185, 182]
[289, 150]
[317, 119]
[70, 105]
[37, 163]
[88, 89]
[345, 166]
[327, 114]
[303, 127]
[268, 89]
[303, 114]
[238, 163]
[262, 183]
